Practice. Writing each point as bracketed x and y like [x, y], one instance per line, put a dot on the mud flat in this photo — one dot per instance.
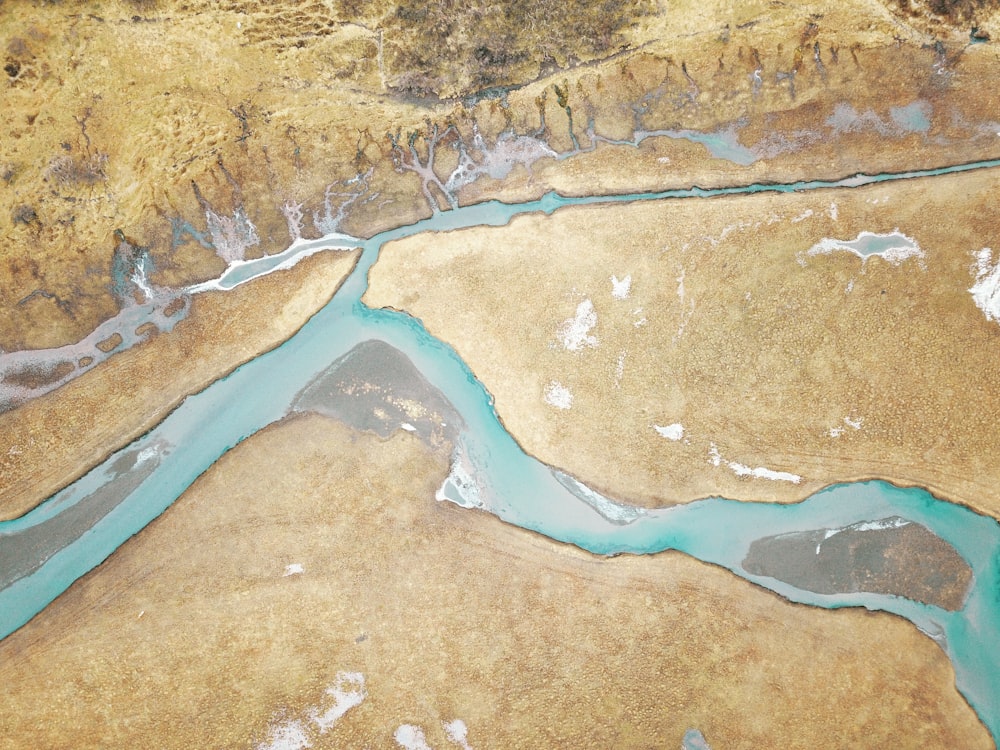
[310, 581]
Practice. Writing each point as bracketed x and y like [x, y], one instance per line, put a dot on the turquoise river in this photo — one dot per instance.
[44, 551]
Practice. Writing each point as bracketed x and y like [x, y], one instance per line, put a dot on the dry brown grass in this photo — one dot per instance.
[765, 354]
[190, 636]
[52, 440]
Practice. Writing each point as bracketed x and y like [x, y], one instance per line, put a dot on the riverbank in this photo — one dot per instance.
[297, 557]
[719, 97]
[327, 115]
[662, 352]
[52, 440]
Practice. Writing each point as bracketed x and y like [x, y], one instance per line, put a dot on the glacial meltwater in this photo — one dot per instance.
[44, 551]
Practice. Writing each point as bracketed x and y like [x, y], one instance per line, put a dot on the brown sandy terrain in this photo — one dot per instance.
[52, 440]
[826, 366]
[192, 636]
[144, 116]
[115, 124]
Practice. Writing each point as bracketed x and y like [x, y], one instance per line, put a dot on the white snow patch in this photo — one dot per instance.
[850, 287]
[458, 733]
[460, 486]
[854, 424]
[761, 473]
[147, 453]
[802, 216]
[986, 291]
[714, 457]
[558, 395]
[293, 569]
[742, 470]
[617, 513]
[619, 367]
[620, 289]
[727, 230]
[687, 312]
[894, 247]
[575, 331]
[347, 692]
[290, 735]
[411, 737]
[883, 523]
[140, 280]
[408, 427]
[671, 431]
[832, 211]
[685, 317]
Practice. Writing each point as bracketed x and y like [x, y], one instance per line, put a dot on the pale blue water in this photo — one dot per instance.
[913, 118]
[244, 271]
[514, 486]
[869, 243]
[723, 144]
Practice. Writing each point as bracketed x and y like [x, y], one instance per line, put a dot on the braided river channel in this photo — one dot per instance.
[45, 550]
